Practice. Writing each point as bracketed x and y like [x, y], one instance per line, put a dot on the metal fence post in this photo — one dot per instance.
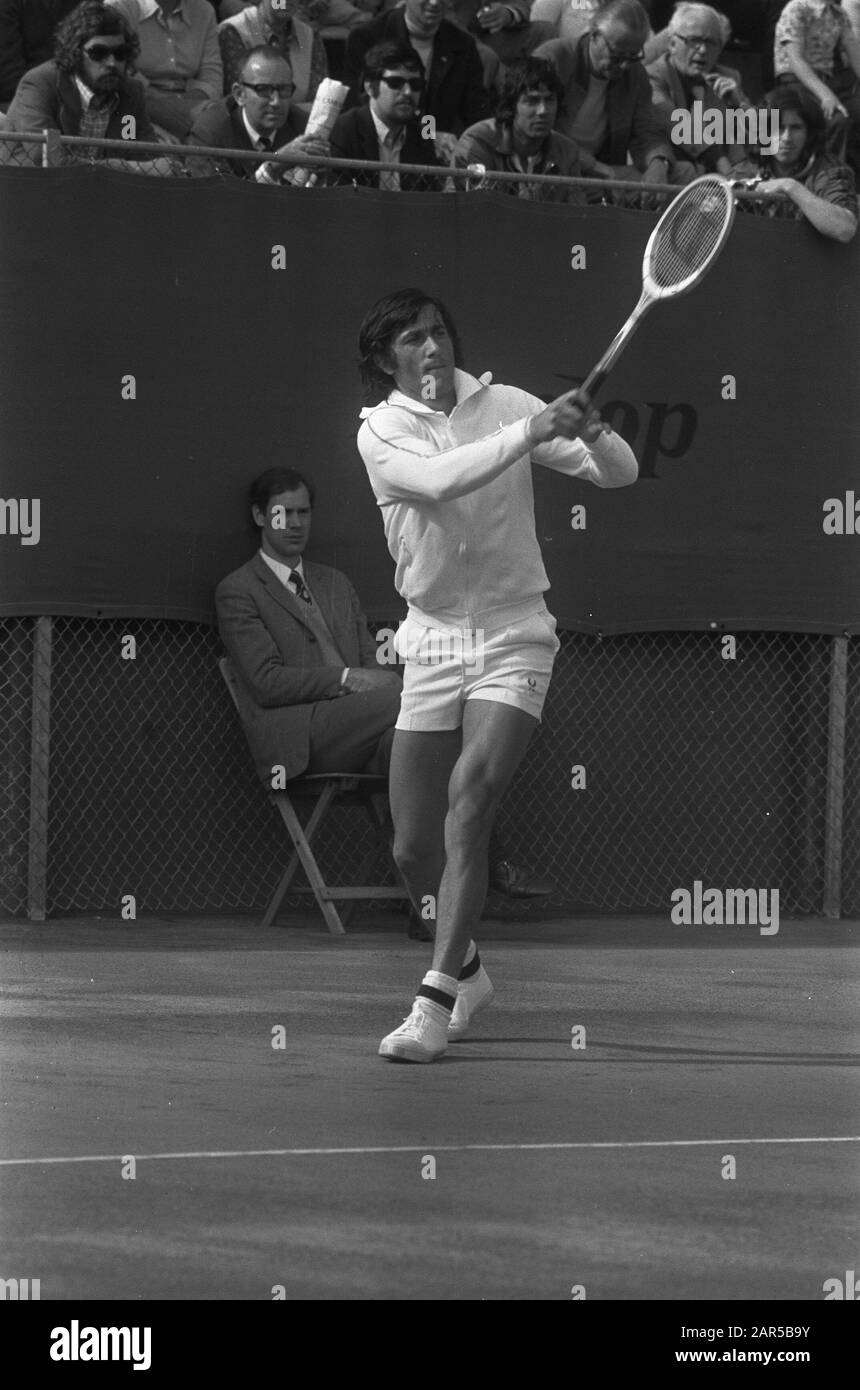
[52, 153]
[40, 734]
[835, 796]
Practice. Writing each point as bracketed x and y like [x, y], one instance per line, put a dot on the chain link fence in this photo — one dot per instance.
[52, 150]
[130, 776]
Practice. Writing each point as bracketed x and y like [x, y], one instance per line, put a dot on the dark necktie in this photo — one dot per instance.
[299, 586]
[265, 142]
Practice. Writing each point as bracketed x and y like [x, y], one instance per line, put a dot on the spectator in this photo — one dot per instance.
[387, 128]
[256, 116]
[607, 98]
[180, 61]
[570, 19]
[521, 137]
[26, 38]
[276, 24]
[455, 94]
[318, 13]
[84, 90]
[723, 80]
[506, 29]
[687, 74]
[312, 695]
[815, 184]
[811, 36]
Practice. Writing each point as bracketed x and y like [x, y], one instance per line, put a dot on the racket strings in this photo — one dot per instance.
[690, 234]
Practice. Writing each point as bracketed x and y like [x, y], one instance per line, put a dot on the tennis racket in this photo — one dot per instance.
[680, 252]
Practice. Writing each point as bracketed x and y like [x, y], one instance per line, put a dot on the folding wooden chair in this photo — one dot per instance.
[323, 790]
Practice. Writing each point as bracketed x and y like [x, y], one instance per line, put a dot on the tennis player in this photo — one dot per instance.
[449, 458]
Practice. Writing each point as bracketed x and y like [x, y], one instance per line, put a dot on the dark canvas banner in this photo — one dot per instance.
[740, 399]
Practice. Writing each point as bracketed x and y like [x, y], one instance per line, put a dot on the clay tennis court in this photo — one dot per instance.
[260, 1168]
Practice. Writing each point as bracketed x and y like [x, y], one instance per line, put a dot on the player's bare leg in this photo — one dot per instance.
[419, 773]
[495, 738]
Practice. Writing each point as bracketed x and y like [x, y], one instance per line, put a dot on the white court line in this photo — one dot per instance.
[428, 1148]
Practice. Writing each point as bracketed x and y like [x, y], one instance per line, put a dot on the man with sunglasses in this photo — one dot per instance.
[84, 90]
[387, 129]
[608, 110]
[256, 116]
[455, 96]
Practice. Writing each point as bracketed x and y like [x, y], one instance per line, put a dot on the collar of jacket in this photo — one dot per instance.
[465, 386]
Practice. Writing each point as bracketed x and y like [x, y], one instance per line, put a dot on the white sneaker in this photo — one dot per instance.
[422, 1037]
[472, 994]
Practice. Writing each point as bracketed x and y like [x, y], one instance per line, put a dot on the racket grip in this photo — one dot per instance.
[593, 382]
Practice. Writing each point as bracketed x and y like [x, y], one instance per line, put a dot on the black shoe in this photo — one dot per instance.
[515, 881]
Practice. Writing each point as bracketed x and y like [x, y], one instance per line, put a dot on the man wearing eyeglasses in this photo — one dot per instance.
[688, 74]
[608, 110]
[276, 24]
[84, 90]
[256, 116]
[386, 130]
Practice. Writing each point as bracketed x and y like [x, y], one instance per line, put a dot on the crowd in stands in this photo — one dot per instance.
[633, 93]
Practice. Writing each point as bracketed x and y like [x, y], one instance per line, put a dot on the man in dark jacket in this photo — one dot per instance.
[455, 95]
[388, 128]
[608, 109]
[85, 90]
[26, 38]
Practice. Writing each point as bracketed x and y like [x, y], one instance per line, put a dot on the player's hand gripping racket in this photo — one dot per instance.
[680, 252]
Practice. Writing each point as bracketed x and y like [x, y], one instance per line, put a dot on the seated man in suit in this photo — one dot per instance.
[312, 696]
[257, 116]
[687, 78]
[276, 24]
[85, 90]
[455, 95]
[387, 129]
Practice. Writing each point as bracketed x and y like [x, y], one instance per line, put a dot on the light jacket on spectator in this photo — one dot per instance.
[490, 144]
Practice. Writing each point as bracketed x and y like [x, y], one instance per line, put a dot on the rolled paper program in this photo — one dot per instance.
[329, 99]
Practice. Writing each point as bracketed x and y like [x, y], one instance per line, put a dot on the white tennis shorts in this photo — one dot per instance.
[446, 666]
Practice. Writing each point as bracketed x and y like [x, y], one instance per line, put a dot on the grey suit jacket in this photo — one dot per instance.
[276, 657]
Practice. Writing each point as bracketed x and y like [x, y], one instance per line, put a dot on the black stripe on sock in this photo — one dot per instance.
[438, 996]
[471, 969]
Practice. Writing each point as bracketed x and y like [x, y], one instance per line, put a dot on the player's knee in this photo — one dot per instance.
[471, 813]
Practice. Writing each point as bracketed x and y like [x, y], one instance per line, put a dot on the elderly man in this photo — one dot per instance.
[85, 90]
[180, 61]
[256, 116]
[686, 79]
[387, 128]
[520, 137]
[608, 110]
[455, 96]
[276, 24]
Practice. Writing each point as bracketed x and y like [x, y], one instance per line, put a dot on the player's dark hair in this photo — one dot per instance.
[381, 325]
[788, 97]
[389, 55]
[263, 50]
[91, 20]
[525, 75]
[276, 480]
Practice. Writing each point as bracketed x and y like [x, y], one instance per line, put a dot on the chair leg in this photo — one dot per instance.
[300, 838]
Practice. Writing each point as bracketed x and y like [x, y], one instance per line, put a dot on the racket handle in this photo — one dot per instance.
[593, 382]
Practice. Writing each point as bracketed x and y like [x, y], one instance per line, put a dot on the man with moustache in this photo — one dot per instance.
[608, 111]
[84, 90]
[387, 129]
[455, 95]
[256, 116]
